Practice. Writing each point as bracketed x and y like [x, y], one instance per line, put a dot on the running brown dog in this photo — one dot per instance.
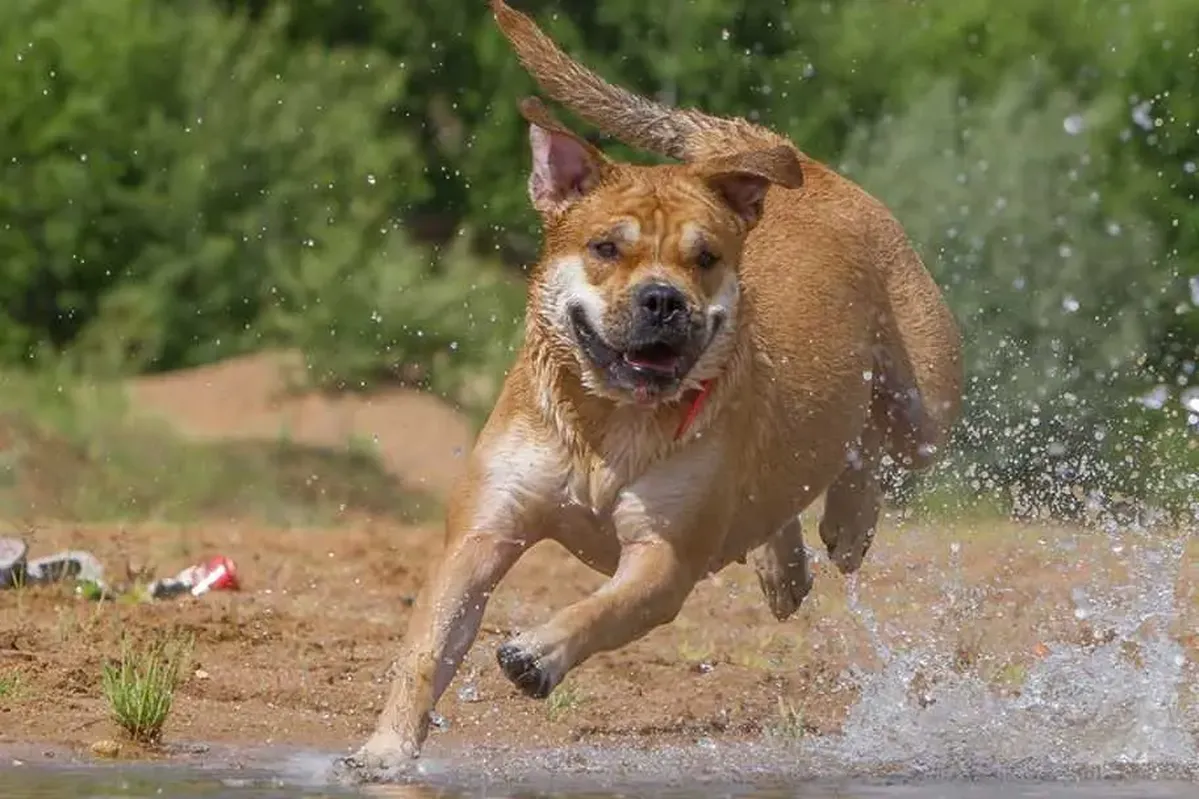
[709, 346]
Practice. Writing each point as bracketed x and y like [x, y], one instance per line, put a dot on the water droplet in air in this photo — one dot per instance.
[1069, 304]
[1190, 399]
[1141, 115]
[1155, 400]
[1074, 124]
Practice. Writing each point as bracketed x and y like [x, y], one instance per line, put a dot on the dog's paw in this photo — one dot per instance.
[383, 758]
[848, 553]
[784, 593]
[784, 585]
[525, 670]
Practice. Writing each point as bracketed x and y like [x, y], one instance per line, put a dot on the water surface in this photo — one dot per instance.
[753, 771]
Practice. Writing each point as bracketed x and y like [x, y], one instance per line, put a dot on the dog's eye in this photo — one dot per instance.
[605, 250]
[706, 259]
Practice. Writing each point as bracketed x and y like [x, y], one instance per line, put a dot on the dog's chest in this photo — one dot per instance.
[628, 447]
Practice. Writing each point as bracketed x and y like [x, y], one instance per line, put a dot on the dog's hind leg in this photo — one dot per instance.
[781, 564]
[918, 364]
[852, 503]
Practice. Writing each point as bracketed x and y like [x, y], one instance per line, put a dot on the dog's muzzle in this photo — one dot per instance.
[654, 348]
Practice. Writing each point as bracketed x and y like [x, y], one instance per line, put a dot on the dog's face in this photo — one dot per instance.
[639, 276]
[640, 280]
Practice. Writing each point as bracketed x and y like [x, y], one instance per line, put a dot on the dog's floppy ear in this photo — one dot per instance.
[742, 179]
[565, 166]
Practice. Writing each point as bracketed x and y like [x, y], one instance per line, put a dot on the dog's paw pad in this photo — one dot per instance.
[524, 670]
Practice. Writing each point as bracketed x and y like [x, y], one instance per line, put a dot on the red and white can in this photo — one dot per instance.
[218, 573]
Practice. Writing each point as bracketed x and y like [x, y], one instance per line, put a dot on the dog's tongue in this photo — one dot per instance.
[662, 359]
[665, 363]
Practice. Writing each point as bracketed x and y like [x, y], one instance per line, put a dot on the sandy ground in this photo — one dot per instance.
[299, 656]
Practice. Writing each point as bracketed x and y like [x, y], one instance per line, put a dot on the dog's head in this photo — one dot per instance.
[639, 272]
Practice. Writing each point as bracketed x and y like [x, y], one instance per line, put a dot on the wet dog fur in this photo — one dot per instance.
[710, 345]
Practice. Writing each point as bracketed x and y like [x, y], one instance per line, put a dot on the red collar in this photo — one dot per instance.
[697, 405]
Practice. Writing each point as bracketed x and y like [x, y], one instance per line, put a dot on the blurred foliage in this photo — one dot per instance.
[188, 180]
[181, 185]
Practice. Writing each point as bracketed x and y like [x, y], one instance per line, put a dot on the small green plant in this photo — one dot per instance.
[140, 688]
[10, 687]
[1011, 677]
[565, 698]
[693, 652]
[789, 723]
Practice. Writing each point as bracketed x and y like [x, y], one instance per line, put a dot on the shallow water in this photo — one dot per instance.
[108, 782]
[751, 770]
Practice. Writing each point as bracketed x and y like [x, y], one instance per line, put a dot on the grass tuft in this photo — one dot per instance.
[565, 698]
[140, 688]
[10, 687]
[788, 725]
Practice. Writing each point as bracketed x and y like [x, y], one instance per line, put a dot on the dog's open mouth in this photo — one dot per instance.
[657, 357]
[655, 365]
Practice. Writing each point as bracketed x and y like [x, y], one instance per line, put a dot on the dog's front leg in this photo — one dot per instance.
[494, 517]
[668, 530]
[443, 626]
[647, 590]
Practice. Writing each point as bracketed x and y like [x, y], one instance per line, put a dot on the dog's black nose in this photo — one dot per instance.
[661, 304]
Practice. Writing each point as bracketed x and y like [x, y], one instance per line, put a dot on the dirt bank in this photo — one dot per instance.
[299, 656]
[417, 437]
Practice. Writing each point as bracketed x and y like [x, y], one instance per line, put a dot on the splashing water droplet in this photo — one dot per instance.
[1079, 707]
[1155, 400]
[1190, 399]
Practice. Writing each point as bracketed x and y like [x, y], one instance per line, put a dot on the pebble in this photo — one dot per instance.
[106, 748]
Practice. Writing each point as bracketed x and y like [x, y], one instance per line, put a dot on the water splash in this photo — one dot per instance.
[1117, 703]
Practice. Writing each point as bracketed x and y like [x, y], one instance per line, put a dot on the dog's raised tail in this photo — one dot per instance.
[685, 134]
